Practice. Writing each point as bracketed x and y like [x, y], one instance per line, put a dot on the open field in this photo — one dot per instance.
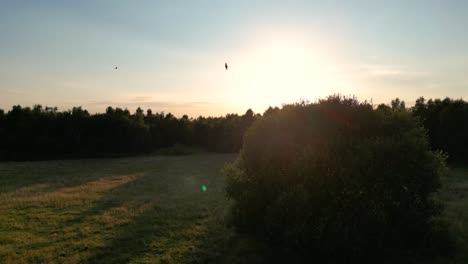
[142, 210]
[126, 210]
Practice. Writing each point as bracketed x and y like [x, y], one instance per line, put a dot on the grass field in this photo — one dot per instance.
[126, 210]
[142, 210]
[454, 195]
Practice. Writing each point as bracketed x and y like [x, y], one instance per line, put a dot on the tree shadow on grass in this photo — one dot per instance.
[53, 175]
[157, 221]
[158, 234]
[176, 224]
[222, 244]
[182, 235]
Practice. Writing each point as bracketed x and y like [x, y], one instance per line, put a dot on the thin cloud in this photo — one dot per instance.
[141, 99]
[12, 92]
[144, 102]
[383, 70]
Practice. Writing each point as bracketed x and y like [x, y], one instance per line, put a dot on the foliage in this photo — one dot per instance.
[45, 133]
[336, 180]
[40, 133]
[447, 124]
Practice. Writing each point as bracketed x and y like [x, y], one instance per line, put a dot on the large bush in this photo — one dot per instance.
[336, 180]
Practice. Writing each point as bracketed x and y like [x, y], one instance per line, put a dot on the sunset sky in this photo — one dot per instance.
[170, 54]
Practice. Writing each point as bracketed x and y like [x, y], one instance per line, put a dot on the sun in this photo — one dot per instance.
[283, 71]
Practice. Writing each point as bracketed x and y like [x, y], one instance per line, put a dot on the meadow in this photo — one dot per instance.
[146, 209]
[150, 209]
[454, 196]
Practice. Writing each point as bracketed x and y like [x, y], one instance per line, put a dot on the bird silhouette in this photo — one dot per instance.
[225, 65]
[115, 68]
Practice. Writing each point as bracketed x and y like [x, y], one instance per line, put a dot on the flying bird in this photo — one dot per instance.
[115, 68]
[225, 65]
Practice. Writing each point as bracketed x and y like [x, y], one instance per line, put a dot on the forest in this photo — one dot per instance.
[46, 133]
[39, 133]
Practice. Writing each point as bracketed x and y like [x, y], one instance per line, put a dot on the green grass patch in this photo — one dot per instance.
[454, 196]
[129, 210]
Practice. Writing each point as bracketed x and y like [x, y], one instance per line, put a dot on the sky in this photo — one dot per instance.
[170, 54]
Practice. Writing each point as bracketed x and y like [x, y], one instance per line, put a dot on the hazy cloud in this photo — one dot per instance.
[392, 71]
[148, 102]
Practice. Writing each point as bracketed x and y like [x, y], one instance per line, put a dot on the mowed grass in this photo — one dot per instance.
[146, 210]
[454, 196]
[127, 210]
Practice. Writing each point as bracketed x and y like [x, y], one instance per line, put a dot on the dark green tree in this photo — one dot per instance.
[336, 181]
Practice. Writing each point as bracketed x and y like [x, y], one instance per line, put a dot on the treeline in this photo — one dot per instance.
[446, 122]
[43, 133]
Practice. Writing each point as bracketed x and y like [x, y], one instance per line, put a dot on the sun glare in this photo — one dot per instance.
[283, 71]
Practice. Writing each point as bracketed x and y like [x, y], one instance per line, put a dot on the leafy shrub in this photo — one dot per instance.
[336, 180]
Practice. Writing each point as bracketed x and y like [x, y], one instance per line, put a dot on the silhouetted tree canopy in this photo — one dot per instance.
[43, 133]
[337, 181]
[446, 122]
